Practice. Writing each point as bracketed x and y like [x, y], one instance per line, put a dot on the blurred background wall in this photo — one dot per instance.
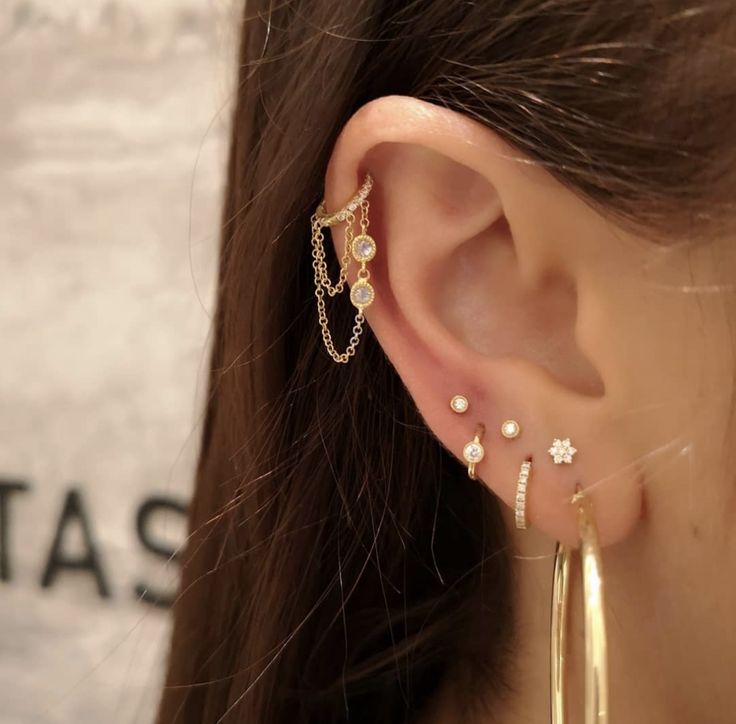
[113, 124]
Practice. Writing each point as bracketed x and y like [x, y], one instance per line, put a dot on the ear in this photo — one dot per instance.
[487, 281]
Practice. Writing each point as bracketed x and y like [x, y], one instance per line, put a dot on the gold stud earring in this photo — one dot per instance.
[361, 248]
[520, 507]
[459, 404]
[474, 452]
[562, 451]
[510, 429]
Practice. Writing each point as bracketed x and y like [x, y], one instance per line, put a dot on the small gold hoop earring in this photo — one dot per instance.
[596, 642]
[474, 452]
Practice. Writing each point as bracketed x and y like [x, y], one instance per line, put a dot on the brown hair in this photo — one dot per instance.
[339, 558]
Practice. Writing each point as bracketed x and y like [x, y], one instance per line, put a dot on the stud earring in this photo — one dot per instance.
[459, 404]
[562, 451]
[474, 452]
[520, 507]
[361, 248]
[510, 429]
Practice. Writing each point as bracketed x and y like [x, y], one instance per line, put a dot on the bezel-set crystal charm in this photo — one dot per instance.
[459, 404]
[362, 294]
[474, 452]
[363, 248]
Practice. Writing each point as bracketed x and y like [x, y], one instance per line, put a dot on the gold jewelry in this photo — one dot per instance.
[361, 248]
[510, 429]
[474, 452]
[520, 507]
[562, 451]
[596, 643]
[459, 404]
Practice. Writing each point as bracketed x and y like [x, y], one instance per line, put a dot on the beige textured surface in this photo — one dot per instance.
[108, 114]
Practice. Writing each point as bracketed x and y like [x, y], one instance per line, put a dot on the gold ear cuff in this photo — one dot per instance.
[361, 249]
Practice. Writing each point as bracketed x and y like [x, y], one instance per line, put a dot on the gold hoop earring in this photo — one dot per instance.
[596, 643]
[474, 452]
[360, 248]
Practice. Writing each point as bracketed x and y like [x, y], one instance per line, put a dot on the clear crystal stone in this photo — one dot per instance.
[365, 248]
[473, 452]
[510, 428]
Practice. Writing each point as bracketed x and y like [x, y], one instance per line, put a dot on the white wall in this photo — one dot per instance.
[110, 112]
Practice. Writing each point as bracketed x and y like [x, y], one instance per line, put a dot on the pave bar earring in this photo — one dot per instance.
[596, 643]
[361, 249]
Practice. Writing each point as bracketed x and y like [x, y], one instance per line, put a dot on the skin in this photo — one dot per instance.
[496, 281]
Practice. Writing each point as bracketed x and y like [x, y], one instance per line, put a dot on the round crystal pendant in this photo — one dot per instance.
[364, 247]
[362, 294]
[473, 452]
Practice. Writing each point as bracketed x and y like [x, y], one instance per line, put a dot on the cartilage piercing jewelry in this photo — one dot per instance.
[361, 249]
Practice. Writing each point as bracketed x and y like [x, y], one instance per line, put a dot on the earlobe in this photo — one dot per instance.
[476, 294]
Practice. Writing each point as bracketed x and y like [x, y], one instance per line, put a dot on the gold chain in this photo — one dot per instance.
[361, 248]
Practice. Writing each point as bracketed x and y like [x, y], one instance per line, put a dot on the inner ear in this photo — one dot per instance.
[481, 298]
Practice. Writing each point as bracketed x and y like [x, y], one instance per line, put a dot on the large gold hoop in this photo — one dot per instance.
[596, 643]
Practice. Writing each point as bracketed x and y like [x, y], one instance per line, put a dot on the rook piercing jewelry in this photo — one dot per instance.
[459, 404]
[596, 641]
[510, 429]
[362, 248]
[562, 451]
[520, 507]
[473, 452]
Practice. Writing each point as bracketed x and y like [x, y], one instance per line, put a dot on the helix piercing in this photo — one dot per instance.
[360, 248]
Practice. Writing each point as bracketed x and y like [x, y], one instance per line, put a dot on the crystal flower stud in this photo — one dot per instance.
[562, 451]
